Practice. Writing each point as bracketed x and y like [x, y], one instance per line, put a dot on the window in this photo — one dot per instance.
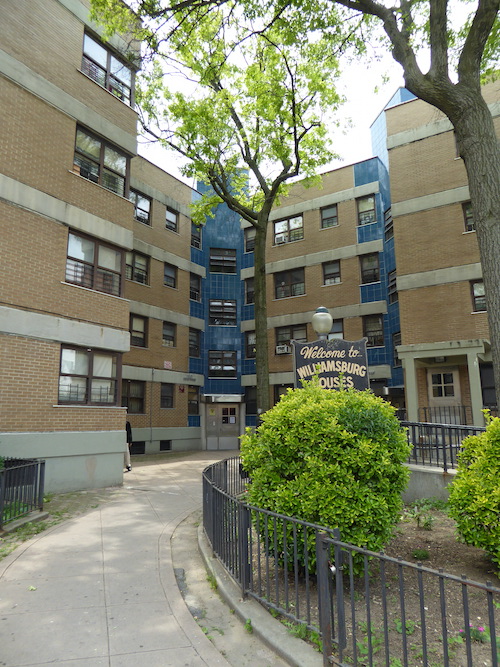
[329, 216]
[194, 342]
[195, 236]
[291, 229]
[442, 385]
[284, 335]
[195, 287]
[478, 296]
[142, 206]
[373, 330]
[388, 225]
[87, 377]
[249, 291]
[280, 390]
[289, 283]
[167, 395]
[169, 275]
[331, 272]
[133, 396]
[392, 291]
[137, 267]
[171, 219]
[94, 265]
[250, 239]
[169, 334]
[100, 162]
[370, 272]
[138, 330]
[193, 400]
[337, 331]
[469, 223]
[222, 312]
[222, 363]
[105, 69]
[251, 400]
[222, 260]
[250, 342]
[396, 340]
[366, 210]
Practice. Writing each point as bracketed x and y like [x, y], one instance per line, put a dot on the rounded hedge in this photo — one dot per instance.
[333, 458]
[474, 499]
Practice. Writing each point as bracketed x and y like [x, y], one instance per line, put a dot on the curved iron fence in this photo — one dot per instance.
[359, 607]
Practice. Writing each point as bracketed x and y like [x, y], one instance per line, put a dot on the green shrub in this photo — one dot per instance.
[333, 458]
[474, 500]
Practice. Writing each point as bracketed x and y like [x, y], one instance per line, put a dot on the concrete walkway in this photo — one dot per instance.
[100, 589]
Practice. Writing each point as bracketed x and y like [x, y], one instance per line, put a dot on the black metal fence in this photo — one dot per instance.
[361, 608]
[21, 488]
[437, 444]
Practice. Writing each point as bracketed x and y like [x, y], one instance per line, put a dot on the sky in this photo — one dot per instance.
[366, 94]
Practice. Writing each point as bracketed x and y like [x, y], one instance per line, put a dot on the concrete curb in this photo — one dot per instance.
[291, 649]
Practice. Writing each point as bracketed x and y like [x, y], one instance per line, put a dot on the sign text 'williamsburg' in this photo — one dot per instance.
[337, 361]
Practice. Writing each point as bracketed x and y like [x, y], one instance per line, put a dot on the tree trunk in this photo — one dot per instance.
[480, 149]
[260, 309]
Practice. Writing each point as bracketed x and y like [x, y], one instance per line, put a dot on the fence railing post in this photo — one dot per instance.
[324, 595]
[243, 547]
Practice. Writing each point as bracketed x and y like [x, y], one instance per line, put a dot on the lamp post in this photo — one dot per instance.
[322, 322]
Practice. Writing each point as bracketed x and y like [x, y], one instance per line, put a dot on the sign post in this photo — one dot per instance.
[340, 364]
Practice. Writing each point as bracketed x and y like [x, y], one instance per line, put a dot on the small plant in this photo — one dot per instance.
[478, 633]
[374, 638]
[395, 662]
[249, 626]
[410, 626]
[420, 554]
[212, 581]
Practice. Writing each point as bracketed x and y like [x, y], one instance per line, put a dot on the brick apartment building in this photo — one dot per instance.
[111, 299]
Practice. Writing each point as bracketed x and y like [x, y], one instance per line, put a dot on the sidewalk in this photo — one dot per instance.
[123, 583]
[101, 589]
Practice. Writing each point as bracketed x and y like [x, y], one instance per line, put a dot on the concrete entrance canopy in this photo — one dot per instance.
[424, 355]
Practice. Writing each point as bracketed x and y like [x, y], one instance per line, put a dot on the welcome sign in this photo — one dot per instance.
[341, 364]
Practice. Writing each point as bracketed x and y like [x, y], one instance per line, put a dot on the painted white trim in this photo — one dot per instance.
[429, 202]
[454, 274]
[24, 196]
[39, 326]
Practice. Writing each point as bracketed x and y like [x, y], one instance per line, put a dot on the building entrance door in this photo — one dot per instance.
[223, 425]
[444, 395]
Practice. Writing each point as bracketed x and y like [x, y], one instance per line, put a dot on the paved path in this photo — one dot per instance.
[100, 589]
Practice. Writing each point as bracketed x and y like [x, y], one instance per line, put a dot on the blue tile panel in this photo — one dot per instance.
[221, 231]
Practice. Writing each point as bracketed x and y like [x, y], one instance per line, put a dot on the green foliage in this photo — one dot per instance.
[474, 499]
[333, 458]
[420, 554]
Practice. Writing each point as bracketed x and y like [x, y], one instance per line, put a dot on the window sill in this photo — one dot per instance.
[80, 405]
[295, 296]
[98, 185]
[89, 78]
[94, 291]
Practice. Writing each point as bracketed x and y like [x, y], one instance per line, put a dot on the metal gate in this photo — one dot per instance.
[222, 424]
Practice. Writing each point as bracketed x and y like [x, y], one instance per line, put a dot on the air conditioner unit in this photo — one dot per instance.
[283, 349]
[280, 238]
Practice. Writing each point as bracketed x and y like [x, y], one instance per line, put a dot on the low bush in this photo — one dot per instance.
[474, 500]
[333, 458]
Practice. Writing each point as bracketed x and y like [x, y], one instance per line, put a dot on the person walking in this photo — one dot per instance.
[128, 430]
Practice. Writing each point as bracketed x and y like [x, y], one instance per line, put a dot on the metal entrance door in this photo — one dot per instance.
[223, 425]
